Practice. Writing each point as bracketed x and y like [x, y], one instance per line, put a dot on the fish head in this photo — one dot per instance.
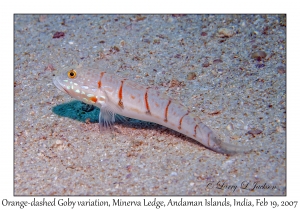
[81, 84]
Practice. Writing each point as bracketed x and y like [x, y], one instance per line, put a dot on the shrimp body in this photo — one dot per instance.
[116, 95]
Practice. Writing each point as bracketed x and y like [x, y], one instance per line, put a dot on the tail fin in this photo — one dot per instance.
[229, 149]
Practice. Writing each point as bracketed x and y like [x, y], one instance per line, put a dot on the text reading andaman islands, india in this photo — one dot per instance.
[152, 202]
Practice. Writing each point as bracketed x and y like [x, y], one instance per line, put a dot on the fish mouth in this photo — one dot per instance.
[58, 85]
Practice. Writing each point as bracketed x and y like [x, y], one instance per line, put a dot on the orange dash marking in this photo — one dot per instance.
[99, 82]
[180, 121]
[215, 113]
[195, 130]
[146, 102]
[166, 111]
[94, 99]
[121, 95]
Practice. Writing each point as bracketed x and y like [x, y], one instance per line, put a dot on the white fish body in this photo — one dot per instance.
[116, 95]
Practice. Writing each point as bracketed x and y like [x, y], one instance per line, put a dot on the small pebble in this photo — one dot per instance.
[279, 129]
[254, 131]
[58, 142]
[122, 43]
[146, 40]
[173, 173]
[140, 18]
[203, 34]
[205, 64]
[129, 168]
[235, 137]
[214, 73]
[177, 56]
[260, 65]
[259, 55]
[220, 71]
[281, 69]
[156, 41]
[217, 61]
[49, 67]
[229, 127]
[116, 48]
[58, 35]
[191, 76]
[174, 83]
[87, 120]
[225, 32]
[161, 138]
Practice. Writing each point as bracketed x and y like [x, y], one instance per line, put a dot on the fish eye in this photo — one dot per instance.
[72, 74]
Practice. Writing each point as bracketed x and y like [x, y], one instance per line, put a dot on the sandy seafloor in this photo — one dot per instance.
[189, 58]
